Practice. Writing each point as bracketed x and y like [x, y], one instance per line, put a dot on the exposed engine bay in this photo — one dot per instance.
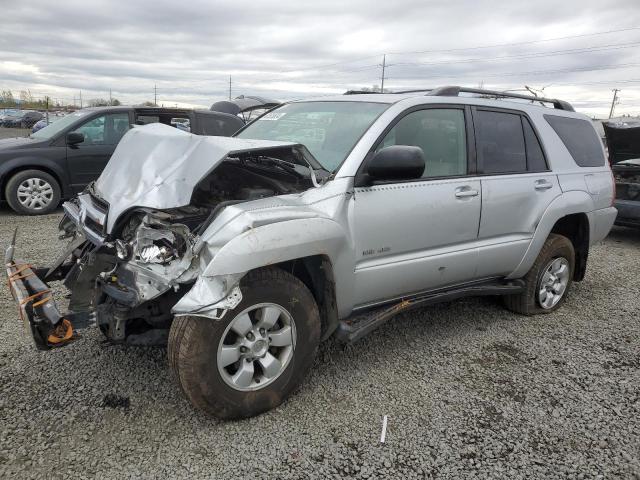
[128, 280]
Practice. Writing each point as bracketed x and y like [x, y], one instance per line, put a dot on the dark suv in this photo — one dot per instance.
[61, 159]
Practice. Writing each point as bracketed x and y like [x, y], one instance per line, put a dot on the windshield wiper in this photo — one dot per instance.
[286, 166]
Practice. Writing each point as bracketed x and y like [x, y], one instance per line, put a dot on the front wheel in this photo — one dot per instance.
[548, 280]
[248, 362]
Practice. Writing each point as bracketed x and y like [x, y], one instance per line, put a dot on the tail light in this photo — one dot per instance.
[613, 180]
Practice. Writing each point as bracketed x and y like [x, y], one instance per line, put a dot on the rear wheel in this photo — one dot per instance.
[32, 192]
[249, 361]
[548, 280]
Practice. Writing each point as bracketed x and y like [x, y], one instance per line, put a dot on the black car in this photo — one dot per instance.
[29, 119]
[623, 142]
[23, 119]
[60, 160]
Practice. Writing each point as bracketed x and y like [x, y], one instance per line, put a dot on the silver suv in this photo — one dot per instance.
[321, 218]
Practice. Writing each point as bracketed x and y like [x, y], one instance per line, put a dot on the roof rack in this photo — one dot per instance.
[452, 91]
[358, 92]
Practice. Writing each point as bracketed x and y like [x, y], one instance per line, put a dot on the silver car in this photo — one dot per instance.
[321, 218]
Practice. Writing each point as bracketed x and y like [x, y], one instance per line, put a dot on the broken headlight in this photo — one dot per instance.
[159, 244]
[123, 250]
[158, 253]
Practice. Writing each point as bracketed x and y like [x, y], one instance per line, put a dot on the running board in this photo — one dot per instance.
[357, 326]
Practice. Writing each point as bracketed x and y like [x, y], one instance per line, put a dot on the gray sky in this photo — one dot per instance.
[293, 49]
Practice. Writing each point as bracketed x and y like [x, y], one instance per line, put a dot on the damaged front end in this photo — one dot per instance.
[135, 237]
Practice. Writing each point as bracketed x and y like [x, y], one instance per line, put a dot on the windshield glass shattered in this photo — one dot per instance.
[329, 130]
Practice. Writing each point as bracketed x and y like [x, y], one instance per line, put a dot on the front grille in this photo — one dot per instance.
[93, 216]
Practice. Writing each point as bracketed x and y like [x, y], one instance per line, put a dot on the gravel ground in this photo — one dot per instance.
[470, 390]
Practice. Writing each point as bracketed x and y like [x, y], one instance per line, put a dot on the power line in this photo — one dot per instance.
[597, 48]
[513, 44]
[517, 44]
[533, 72]
[591, 49]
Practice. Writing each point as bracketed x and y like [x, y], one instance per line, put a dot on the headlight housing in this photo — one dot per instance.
[160, 244]
[123, 249]
[158, 253]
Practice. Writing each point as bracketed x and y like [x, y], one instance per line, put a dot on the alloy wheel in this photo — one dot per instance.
[256, 347]
[553, 282]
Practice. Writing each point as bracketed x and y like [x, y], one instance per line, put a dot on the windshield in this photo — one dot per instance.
[329, 130]
[53, 129]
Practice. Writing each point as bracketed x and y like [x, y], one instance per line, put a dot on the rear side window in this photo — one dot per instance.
[535, 157]
[580, 138]
[500, 142]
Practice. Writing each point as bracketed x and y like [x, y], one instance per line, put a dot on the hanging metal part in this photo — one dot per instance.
[38, 310]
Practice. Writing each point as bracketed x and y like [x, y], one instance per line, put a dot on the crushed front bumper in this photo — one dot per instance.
[38, 310]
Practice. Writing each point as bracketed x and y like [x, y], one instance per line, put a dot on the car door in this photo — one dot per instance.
[87, 159]
[413, 236]
[517, 187]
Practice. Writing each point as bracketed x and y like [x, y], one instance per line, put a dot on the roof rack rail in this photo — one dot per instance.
[453, 91]
[358, 92]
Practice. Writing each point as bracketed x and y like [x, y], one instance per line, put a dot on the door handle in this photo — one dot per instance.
[543, 185]
[465, 192]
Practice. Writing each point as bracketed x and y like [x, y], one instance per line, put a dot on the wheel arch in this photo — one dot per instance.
[566, 215]
[316, 272]
[575, 227]
[12, 171]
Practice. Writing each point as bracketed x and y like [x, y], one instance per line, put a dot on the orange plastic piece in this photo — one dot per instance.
[62, 333]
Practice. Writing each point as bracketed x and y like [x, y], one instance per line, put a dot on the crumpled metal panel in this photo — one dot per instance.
[157, 166]
[267, 231]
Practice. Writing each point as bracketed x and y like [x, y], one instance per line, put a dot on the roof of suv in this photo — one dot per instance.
[451, 92]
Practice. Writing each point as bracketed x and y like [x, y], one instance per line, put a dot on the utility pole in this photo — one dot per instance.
[110, 101]
[614, 101]
[81, 99]
[384, 64]
[155, 95]
[229, 87]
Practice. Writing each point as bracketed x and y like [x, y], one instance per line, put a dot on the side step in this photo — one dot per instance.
[357, 326]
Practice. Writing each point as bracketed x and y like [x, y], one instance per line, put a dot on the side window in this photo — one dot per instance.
[535, 157]
[580, 138]
[105, 130]
[93, 131]
[441, 134]
[500, 142]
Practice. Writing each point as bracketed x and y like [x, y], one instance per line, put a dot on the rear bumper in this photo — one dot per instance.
[37, 308]
[628, 213]
[600, 223]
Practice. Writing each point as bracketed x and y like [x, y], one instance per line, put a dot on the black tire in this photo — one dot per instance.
[193, 346]
[11, 192]
[527, 302]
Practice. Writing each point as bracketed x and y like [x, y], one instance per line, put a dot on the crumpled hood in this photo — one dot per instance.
[157, 166]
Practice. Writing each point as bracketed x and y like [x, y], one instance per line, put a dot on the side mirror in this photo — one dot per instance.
[397, 162]
[74, 138]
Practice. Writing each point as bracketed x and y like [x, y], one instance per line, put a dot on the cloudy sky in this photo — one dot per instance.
[578, 50]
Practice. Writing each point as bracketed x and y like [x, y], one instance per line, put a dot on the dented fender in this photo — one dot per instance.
[566, 204]
[263, 246]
